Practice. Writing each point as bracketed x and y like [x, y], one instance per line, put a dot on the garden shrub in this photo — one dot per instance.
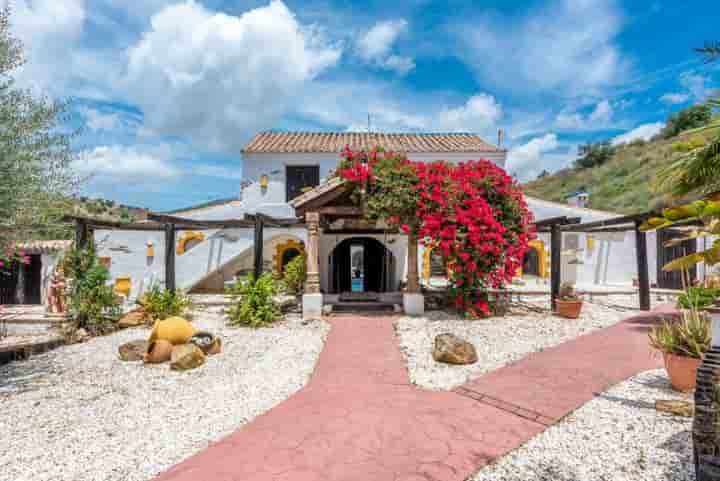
[698, 297]
[253, 303]
[91, 300]
[294, 276]
[162, 303]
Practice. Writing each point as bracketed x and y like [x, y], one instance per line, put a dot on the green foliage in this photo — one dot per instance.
[689, 145]
[35, 153]
[162, 303]
[698, 297]
[686, 119]
[594, 154]
[92, 302]
[294, 275]
[253, 303]
[698, 171]
[689, 337]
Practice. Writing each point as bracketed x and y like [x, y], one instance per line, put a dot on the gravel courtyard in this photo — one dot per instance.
[618, 436]
[499, 340]
[80, 414]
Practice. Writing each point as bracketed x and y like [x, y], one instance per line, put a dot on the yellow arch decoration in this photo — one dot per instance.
[187, 236]
[280, 251]
[543, 265]
[427, 252]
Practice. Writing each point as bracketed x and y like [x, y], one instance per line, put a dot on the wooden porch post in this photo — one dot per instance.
[642, 267]
[555, 263]
[413, 281]
[81, 234]
[312, 284]
[170, 257]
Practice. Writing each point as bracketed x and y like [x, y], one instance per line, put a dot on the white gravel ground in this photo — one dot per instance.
[498, 340]
[80, 414]
[618, 436]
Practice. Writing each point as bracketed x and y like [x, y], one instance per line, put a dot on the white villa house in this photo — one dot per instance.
[288, 175]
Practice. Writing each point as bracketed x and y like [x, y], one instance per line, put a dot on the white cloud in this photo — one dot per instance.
[599, 118]
[527, 160]
[49, 31]
[554, 49]
[97, 121]
[124, 163]
[375, 46]
[215, 78]
[480, 112]
[675, 98]
[644, 131]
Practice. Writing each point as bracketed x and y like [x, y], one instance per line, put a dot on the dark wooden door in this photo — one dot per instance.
[672, 280]
[298, 177]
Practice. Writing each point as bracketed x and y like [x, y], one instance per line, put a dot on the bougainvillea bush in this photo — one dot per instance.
[9, 256]
[472, 211]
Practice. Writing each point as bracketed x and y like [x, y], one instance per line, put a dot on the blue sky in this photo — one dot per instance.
[166, 92]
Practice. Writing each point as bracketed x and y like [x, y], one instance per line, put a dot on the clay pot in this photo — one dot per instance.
[569, 308]
[158, 351]
[175, 330]
[207, 342]
[682, 371]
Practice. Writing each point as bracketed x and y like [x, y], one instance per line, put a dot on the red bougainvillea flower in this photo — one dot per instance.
[473, 212]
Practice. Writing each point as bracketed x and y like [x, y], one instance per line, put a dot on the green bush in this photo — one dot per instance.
[161, 303]
[294, 275]
[253, 303]
[91, 300]
[594, 154]
[686, 119]
[698, 297]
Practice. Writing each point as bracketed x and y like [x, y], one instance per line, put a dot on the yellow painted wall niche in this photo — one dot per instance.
[186, 237]
[280, 249]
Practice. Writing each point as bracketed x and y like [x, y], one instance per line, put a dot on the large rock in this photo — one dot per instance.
[186, 356]
[133, 350]
[133, 319]
[451, 349]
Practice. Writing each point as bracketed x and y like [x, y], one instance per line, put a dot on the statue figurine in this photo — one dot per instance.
[56, 293]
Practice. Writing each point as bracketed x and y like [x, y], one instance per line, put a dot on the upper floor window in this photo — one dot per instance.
[299, 177]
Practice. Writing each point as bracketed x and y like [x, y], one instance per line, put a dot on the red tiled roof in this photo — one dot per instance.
[293, 142]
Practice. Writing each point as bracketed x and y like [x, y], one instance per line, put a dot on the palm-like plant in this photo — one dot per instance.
[699, 170]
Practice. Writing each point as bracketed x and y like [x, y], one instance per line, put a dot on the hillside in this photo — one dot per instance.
[623, 184]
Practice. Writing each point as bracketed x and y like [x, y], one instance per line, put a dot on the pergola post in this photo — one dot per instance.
[555, 263]
[313, 298]
[642, 267]
[413, 300]
[170, 257]
[81, 234]
[258, 246]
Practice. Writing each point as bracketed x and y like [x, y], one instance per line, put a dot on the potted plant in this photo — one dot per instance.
[569, 303]
[683, 344]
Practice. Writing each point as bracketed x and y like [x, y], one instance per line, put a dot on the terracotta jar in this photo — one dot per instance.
[682, 371]
[158, 351]
[569, 308]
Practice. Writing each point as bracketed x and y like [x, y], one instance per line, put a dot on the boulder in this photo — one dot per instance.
[133, 319]
[207, 342]
[451, 349]
[81, 335]
[286, 303]
[133, 350]
[186, 356]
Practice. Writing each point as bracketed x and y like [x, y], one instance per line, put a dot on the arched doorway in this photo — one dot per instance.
[361, 264]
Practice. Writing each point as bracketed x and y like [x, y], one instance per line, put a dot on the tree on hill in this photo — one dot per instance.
[711, 51]
[594, 154]
[686, 119]
[35, 155]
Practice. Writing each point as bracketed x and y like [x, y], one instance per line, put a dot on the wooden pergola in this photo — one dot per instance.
[85, 226]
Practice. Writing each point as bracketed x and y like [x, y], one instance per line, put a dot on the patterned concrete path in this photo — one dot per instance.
[359, 418]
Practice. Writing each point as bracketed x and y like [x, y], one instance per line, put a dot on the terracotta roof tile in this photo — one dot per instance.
[295, 142]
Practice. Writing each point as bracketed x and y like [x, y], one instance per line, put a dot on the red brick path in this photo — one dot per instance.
[359, 418]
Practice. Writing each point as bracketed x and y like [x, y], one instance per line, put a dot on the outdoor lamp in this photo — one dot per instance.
[150, 249]
[264, 181]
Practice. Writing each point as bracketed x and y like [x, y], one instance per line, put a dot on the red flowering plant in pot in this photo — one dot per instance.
[472, 211]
